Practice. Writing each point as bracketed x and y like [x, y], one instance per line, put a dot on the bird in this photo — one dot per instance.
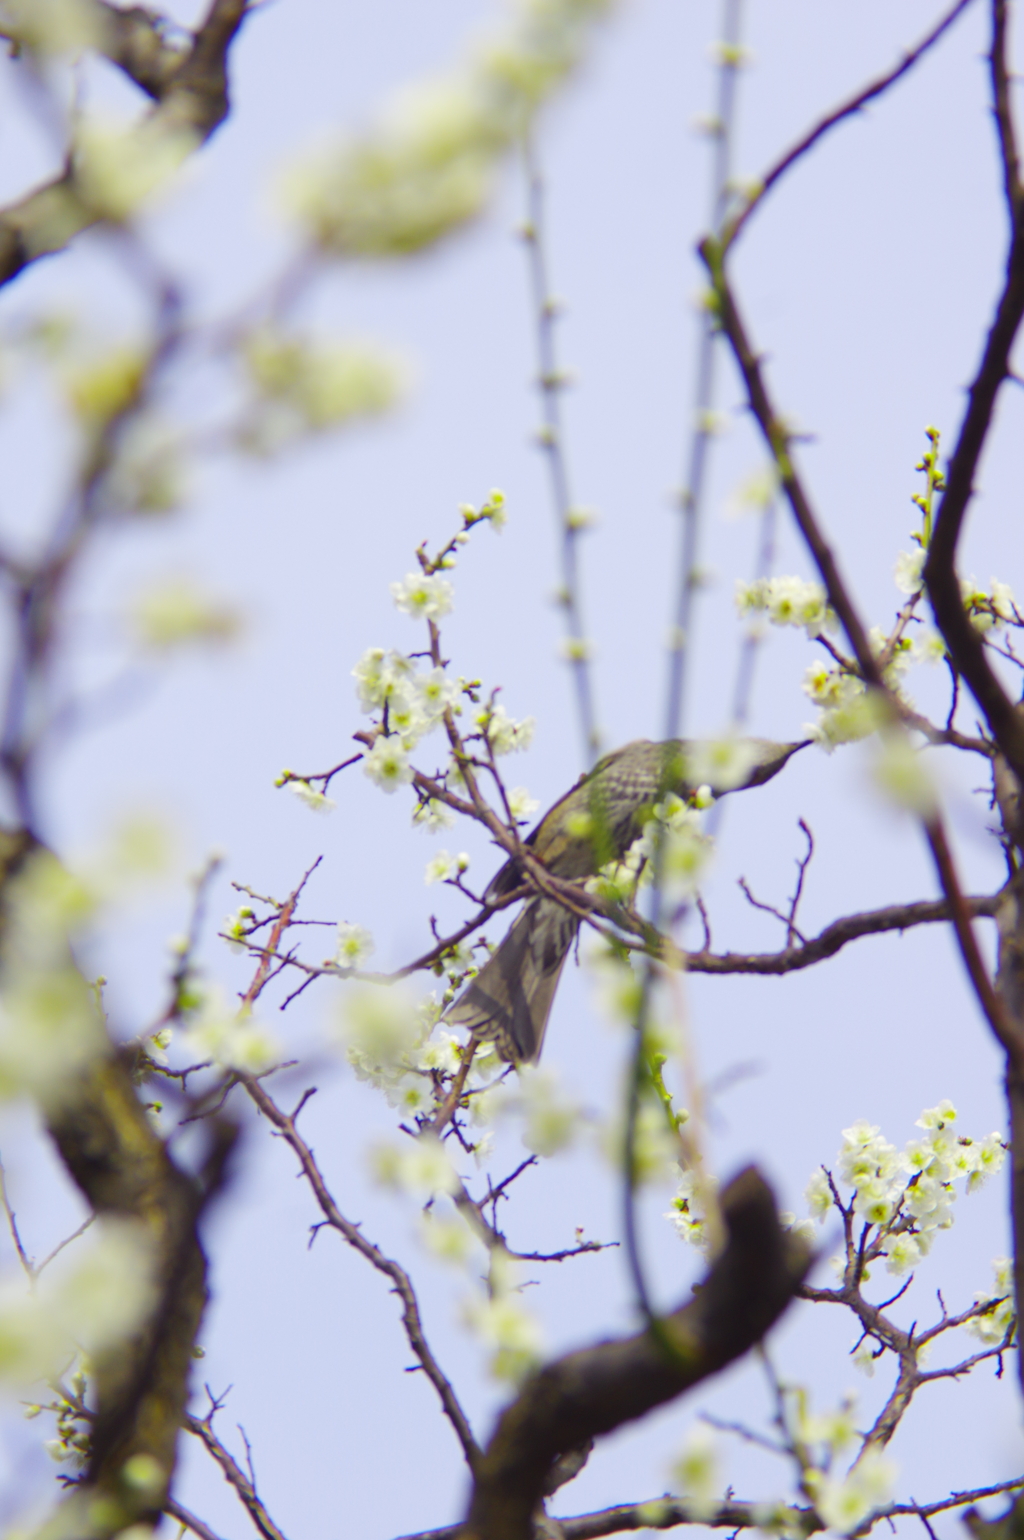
[596, 821]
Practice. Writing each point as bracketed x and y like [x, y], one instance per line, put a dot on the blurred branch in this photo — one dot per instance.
[115, 1155]
[597, 1389]
[190, 89]
[702, 423]
[551, 382]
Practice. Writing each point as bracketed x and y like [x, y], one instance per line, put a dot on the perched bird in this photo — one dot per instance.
[596, 822]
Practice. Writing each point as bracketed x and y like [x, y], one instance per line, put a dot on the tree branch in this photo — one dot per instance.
[855, 104]
[966, 647]
[190, 95]
[253, 1504]
[285, 1126]
[598, 1389]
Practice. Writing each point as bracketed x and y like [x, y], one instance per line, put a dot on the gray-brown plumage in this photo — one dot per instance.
[596, 822]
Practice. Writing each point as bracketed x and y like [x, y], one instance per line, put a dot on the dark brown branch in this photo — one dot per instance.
[855, 104]
[598, 1389]
[285, 1126]
[966, 647]
[198, 1527]
[670, 1512]
[834, 937]
[235, 1475]
[192, 96]
[134, 40]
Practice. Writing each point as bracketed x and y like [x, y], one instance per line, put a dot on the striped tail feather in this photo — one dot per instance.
[510, 998]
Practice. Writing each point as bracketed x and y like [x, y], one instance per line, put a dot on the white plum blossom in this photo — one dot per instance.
[995, 1325]
[818, 1194]
[504, 1324]
[721, 764]
[387, 764]
[787, 601]
[433, 815]
[378, 674]
[420, 1167]
[684, 847]
[846, 709]
[520, 804]
[695, 1472]
[381, 1031]
[907, 1195]
[552, 1120]
[423, 596]
[688, 1213]
[355, 945]
[315, 800]
[844, 1505]
[441, 1052]
[505, 735]
[436, 694]
[218, 1030]
[908, 571]
[900, 772]
[440, 868]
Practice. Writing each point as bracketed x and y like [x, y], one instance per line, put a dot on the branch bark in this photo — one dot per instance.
[190, 89]
[597, 1389]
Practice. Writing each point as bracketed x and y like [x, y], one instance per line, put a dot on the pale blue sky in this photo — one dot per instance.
[867, 281]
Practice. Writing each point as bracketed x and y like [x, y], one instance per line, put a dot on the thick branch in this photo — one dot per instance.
[598, 1389]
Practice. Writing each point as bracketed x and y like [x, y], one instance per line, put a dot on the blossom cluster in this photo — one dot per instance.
[389, 1039]
[906, 1195]
[303, 387]
[787, 601]
[90, 1301]
[429, 164]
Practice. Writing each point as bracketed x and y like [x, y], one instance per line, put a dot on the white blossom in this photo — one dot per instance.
[992, 1327]
[218, 1030]
[315, 800]
[440, 868]
[505, 735]
[378, 674]
[787, 601]
[908, 571]
[844, 1505]
[423, 596]
[387, 764]
[513, 1335]
[552, 1120]
[695, 1472]
[420, 1167]
[355, 945]
[381, 1032]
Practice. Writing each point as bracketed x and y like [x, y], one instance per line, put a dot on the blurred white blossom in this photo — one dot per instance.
[423, 596]
[387, 764]
[354, 947]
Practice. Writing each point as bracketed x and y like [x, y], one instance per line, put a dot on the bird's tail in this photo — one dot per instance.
[510, 998]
